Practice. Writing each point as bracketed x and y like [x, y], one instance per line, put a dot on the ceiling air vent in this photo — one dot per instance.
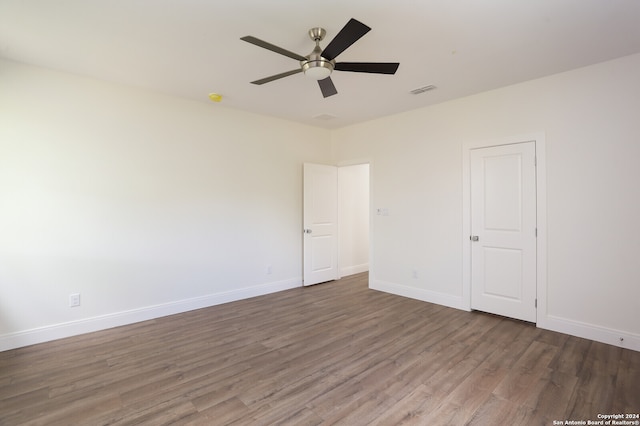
[422, 89]
[325, 117]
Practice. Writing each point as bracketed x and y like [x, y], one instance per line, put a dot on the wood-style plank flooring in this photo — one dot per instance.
[335, 353]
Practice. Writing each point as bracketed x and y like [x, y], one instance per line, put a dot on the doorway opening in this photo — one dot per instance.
[353, 219]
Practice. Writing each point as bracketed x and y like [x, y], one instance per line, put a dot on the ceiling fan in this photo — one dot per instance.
[319, 64]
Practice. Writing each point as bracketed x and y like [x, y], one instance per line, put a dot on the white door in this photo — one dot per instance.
[320, 219]
[503, 230]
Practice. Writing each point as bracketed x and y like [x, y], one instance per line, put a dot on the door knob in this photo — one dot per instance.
[307, 231]
[474, 238]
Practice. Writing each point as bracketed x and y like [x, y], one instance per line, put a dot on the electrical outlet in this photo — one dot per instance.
[74, 300]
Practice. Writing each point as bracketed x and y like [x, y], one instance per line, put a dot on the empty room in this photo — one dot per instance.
[289, 212]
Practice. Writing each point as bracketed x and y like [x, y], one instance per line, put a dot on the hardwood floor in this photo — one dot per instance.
[335, 353]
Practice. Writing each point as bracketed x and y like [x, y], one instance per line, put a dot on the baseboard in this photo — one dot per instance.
[590, 331]
[116, 319]
[552, 323]
[356, 269]
[59, 331]
[418, 293]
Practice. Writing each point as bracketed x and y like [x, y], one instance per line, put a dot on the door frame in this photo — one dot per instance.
[541, 215]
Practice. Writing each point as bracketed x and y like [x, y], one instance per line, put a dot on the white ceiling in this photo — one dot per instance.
[190, 48]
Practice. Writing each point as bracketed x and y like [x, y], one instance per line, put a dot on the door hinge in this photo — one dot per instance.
[536, 232]
[535, 160]
[536, 304]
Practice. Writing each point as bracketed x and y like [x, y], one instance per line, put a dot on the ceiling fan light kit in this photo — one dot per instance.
[317, 70]
[319, 64]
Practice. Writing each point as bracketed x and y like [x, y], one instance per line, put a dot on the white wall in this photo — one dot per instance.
[590, 120]
[353, 219]
[143, 203]
[149, 205]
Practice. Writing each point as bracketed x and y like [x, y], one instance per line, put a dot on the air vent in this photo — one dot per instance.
[422, 89]
[325, 117]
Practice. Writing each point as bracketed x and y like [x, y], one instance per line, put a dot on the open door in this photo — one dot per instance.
[320, 217]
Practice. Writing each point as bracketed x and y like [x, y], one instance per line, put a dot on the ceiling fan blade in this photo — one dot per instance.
[371, 67]
[272, 47]
[277, 76]
[348, 35]
[327, 87]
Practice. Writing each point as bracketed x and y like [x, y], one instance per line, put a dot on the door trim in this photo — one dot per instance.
[541, 215]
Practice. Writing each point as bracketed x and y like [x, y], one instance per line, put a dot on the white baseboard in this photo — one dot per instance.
[418, 293]
[356, 269]
[116, 319]
[552, 323]
[591, 332]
